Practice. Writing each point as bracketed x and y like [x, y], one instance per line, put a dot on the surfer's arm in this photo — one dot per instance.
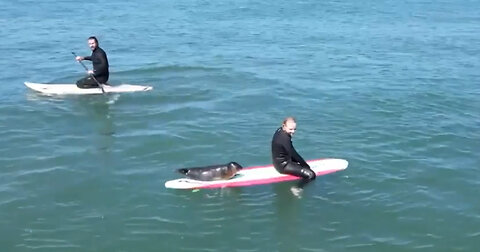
[297, 158]
[301, 161]
[294, 156]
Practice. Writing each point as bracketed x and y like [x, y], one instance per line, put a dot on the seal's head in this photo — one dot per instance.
[183, 171]
[234, 166]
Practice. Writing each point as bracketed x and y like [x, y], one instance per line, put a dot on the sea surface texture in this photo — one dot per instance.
[391, 86]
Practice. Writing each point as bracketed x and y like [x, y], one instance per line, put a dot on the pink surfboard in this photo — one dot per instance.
[259, 175]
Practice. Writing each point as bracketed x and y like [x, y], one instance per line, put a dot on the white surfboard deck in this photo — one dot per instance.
[72, 89]
[259, 175]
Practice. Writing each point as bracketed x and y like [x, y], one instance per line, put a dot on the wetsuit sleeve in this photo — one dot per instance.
[87, 58]
[296, 157]
[101, 69]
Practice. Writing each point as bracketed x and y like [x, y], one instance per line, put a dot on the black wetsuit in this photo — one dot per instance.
[286, 160]
[100, 69]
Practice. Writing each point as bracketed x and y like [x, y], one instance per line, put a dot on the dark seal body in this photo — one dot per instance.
[213, 172]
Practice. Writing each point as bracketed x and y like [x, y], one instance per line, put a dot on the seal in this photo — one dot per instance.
[213, 172]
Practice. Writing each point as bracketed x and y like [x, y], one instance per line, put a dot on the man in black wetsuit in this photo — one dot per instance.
[100, 66]
[286, 160]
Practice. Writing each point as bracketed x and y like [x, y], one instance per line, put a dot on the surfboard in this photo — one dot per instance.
[72, 89]
[258, 175]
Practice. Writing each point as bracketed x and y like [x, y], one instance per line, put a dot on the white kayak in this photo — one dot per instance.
[67, 89]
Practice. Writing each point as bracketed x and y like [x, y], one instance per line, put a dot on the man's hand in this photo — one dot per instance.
[90, 72]
[79, 58]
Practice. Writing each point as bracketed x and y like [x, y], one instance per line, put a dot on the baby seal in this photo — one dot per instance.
[213, 172]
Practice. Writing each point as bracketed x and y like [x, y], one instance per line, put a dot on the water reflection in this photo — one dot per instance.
[99, 114]
[288, 217]
[90, 111]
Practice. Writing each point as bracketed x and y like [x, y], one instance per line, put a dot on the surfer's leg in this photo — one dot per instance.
[87, 82]
[305, 173]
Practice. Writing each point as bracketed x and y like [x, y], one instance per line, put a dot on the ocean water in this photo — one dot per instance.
[391, 86]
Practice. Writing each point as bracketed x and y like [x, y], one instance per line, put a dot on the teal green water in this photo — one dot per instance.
[391, 86]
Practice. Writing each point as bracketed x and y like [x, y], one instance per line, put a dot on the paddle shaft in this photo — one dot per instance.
[86, 69]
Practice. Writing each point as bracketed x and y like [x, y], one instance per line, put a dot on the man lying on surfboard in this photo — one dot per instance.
[99, 60]
[285, 158]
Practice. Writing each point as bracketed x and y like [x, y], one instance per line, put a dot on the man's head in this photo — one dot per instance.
[289, 125]
[92, 43]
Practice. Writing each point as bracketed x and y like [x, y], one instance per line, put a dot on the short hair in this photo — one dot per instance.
[94, 38]
[289, 118]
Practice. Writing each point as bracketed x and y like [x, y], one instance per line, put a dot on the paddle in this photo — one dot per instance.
[86, 69]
